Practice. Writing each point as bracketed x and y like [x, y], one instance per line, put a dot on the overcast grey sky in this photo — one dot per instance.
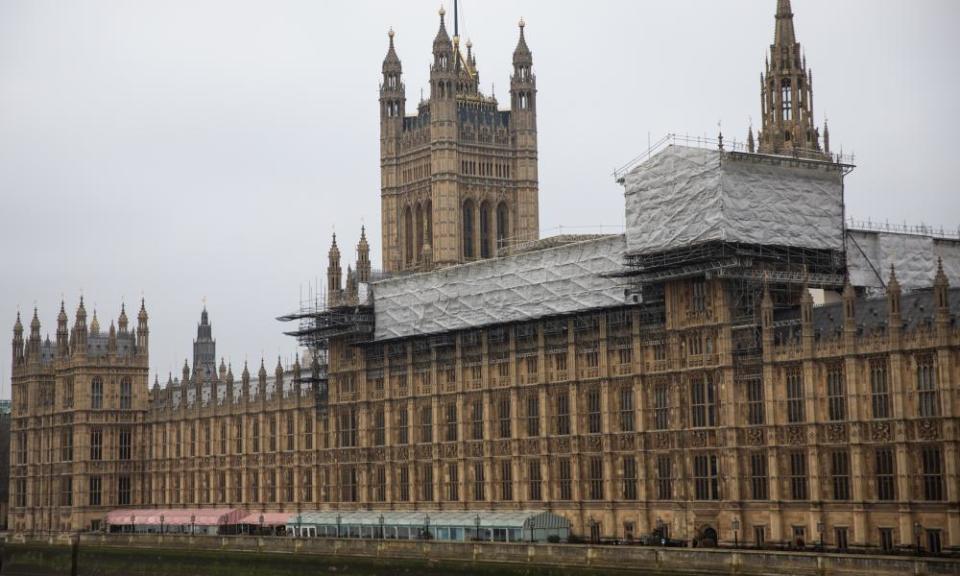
[190, 149]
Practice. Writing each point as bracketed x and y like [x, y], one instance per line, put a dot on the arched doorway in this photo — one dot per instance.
[708, 537]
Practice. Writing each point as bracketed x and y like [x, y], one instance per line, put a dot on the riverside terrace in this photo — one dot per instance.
[514, 526]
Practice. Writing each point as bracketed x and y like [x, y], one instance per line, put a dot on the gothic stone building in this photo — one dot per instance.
[633, 383]
[77, 426]
[458, 179]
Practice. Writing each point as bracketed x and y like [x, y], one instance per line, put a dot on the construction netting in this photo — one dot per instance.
[685, 196]
[562, 280]
[870, 254]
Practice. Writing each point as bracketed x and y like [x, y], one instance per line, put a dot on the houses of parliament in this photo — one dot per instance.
[694, 391]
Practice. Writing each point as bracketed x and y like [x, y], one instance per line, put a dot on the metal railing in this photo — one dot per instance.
[721, 143]
[904, 228]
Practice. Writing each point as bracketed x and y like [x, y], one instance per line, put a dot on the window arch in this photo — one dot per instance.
[786, 99]
[503, 224]
[408, 235]
[418, 249]
[468, 229]
[96, 394]
[428, 233]
[485, 230]
[126, 394]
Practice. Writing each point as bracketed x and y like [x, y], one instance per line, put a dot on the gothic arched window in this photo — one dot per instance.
[468, 229]
[485, 230]
[786, 99]
[428, 233]
[419, 232]
[96, 394]
[503, 224]
[408, 235]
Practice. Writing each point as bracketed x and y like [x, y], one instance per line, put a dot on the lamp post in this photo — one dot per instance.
[736, 528]
[339, 519]
[660, 534]
[426, 526]
[916, 534]
[299, 521]
[476, 522]
[382, 535]
[820, 533]
[261, 524]
[161, 524]
[193, 524]
[133, 524]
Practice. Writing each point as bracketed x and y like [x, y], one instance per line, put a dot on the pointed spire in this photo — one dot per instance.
[62, 316]
[522, 54]
[750, 143]
[442, 40]
[18, 326]
[784, 34]
[35, 324]
[391, 61]
[826, 137]
[941, 277]
[81, 313]
[122, 320]
[94, 324]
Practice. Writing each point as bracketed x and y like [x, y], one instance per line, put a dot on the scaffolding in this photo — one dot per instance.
[319, 319]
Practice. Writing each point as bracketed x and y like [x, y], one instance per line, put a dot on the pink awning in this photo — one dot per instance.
[269, 518]
[175, 516]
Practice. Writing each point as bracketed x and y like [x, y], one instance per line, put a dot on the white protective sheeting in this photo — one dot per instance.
[686, 196]
[914, 256]
[560, 280]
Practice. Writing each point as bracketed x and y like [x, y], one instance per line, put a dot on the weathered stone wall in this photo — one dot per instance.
[241, 556]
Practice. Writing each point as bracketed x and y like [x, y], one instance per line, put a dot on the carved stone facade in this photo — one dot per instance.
[77, 427]
[458, 179]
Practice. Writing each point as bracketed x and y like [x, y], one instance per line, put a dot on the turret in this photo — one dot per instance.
[806, 318]
[112, 340]
[222, 373]
[278, 375]
[185, 372]
[363, 257]
[442, 72]
[849, 298]
[296, 375]
[245, 381]
[393, 98]
[95, 324]
[143, 332]
[826, 138]
[523, 224]
[351, 289]
[122, 320]
[333, 274]
[34, 342]
[786, 95]
[230, 390]
[18, 342]
[894, 318]
[262, 381]
[63, 336]
[79, 343]
[941, 297]
[523, 83]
